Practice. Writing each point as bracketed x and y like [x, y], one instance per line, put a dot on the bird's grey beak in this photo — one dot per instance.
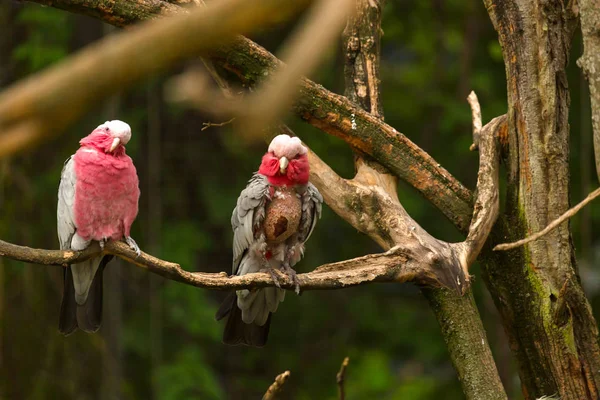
[283, 164]
[116, 142]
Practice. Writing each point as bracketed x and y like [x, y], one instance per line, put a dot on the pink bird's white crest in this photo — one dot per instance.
[286, 146]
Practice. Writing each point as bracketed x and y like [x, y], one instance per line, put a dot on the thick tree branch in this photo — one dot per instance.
[330, 112]
[277, 386]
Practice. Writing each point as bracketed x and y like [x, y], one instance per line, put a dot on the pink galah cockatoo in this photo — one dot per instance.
[274, 217]
[97, 201]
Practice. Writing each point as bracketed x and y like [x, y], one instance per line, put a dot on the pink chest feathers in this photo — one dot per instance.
[106, 194]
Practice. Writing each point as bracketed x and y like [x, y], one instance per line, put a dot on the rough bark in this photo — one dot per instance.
[545, 313]
[590, 64]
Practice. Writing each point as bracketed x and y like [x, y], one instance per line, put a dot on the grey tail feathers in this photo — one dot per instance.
[237, 331]
[87, 316]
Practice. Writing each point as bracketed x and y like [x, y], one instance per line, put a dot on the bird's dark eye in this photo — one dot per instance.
[106, 129]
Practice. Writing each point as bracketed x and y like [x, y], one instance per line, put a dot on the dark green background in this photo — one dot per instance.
[159, 339]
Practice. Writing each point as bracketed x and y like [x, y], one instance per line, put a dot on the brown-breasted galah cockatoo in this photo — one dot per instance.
[97, 201]
[274, 217]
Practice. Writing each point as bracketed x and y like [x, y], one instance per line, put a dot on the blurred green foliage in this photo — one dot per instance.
[159, 339]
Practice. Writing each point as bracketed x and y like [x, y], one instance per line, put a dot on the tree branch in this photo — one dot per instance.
[277, 386]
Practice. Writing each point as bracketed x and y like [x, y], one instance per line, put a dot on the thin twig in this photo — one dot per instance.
[277, 386]
[206, 125]
[568, 214]
[340, 377]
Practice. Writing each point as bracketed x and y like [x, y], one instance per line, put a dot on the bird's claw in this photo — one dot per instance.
[293, 276]
[102, 242]
[129, 240]
[273, 275]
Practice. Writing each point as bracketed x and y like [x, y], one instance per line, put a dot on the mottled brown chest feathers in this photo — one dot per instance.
[282, 215]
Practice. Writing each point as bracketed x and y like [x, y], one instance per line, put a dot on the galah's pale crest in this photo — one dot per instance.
[97, 201]
[274, 217]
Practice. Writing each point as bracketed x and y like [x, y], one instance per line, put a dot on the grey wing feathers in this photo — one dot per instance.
[248, 214]
[311, 211]
[66, 202]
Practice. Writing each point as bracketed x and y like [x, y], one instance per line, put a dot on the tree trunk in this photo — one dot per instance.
[536, 288]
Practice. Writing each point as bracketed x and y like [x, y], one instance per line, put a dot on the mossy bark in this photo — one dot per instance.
[536, 288]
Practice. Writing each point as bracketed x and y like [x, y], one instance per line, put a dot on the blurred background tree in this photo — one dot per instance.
[160, 340]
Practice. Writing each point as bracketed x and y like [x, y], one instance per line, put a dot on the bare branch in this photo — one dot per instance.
[340, 377]
[277, 386]
[554, 224]
[206, 125]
